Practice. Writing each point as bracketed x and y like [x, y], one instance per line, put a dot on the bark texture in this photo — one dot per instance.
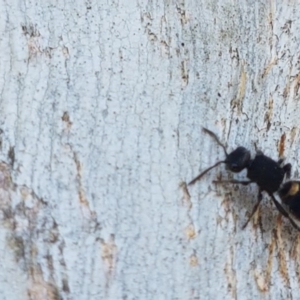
[101, 109]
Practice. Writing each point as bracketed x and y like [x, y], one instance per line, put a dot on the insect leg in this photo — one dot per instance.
[283, 211]
[287, 170]
[243, 182]
[254, 209]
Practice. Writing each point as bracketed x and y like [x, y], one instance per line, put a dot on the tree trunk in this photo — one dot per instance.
[102, 105]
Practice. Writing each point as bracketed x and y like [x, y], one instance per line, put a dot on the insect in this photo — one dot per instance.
[262, 170]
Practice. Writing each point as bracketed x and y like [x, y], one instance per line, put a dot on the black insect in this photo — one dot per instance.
[289, 194]
[262, 170]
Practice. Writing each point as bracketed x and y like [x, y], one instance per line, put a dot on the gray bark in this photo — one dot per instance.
[101, 109]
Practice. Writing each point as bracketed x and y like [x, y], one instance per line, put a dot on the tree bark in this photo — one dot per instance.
[102, 105]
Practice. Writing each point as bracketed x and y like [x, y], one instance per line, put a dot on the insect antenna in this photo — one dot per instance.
[205, 171]
[216, 164]
[216, 139]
